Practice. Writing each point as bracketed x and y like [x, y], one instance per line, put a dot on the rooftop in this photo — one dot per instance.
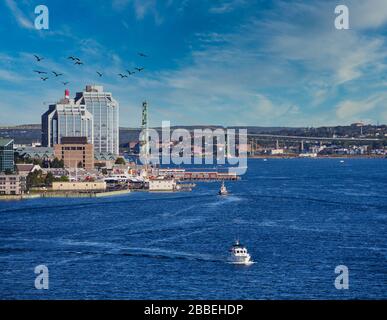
[5, 142]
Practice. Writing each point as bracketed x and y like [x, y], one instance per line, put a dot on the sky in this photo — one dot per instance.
[231, 62]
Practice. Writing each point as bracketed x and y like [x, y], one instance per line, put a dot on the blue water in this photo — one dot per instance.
[298, 218]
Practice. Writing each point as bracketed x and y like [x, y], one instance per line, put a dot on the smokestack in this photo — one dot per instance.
[67, 94]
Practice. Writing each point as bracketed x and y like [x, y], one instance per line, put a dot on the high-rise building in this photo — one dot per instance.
[105, 111]
[6, 155]
[67, 118]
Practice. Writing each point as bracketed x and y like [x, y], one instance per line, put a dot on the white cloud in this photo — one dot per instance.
[352, 109]
[367, 14]
[227, 6]
[141, 8]
[20, 17]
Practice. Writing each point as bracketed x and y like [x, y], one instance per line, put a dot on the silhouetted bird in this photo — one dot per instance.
[57, 74]
[44, 79]
[65, 83]
[100, 74]
[38, 58]
[74, 58]
[142, 55]
[40, 72]
[139, 69]
[78, 62]
[130, 72]
[122, 75]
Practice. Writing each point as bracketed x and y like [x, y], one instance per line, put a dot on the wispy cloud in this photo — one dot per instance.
[141, 8]
[20, 17]
[227, 6]
[356, 109]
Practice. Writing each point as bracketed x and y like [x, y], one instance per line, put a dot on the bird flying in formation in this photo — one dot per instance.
[44, 79]
[78, 62]
[57, 74]
[142, 55]
[40, 72]
[100, 74]
[130, 72]
[74, 58]
[139, 69]
[122, 75]
[65, 83]
[38, 58]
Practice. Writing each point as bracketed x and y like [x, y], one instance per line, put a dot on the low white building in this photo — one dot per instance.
[308, 155]
[276, 151]
[79, 186]
[162, 185]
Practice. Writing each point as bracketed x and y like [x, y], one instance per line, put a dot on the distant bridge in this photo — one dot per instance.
[282, 137]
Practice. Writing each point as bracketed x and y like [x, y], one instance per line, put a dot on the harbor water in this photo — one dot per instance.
[299, 219]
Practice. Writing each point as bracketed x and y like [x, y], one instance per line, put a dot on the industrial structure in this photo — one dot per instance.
[144, 139]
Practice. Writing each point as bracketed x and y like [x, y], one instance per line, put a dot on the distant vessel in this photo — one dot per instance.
[239, 254]
[223, 190]
[341, 161]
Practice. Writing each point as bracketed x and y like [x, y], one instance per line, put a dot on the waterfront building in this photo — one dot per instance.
[7, 161]
[79, 186]
[67, 118]
[162, 185]
[75, 152]
[275, 152]
[105, 111]
[12, 184]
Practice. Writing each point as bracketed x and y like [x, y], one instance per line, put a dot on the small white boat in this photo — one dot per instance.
[239, 254]
[223, 190]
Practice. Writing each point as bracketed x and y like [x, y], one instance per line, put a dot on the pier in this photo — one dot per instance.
[199, 176]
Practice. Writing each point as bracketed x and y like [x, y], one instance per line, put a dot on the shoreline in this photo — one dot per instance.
[318, 157]
[64, 195]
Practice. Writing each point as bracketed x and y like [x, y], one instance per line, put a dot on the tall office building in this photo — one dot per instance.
[105, 111]
[67, 118]
[6, 155]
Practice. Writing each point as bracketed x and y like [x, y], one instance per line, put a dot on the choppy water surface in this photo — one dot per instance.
[298, 218]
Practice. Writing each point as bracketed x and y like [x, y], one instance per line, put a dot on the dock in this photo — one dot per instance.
[207, 176]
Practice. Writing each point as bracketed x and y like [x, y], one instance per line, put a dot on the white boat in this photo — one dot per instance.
[239, 254]
[223, 190]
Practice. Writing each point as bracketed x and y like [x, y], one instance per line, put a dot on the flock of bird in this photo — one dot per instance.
[78, 62]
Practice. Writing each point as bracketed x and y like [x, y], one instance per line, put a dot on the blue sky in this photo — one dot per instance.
[231, 62]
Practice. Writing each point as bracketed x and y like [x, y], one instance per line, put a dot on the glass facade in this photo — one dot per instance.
[66, 120]
[6, 155]
[93, 114]
[105, 116]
